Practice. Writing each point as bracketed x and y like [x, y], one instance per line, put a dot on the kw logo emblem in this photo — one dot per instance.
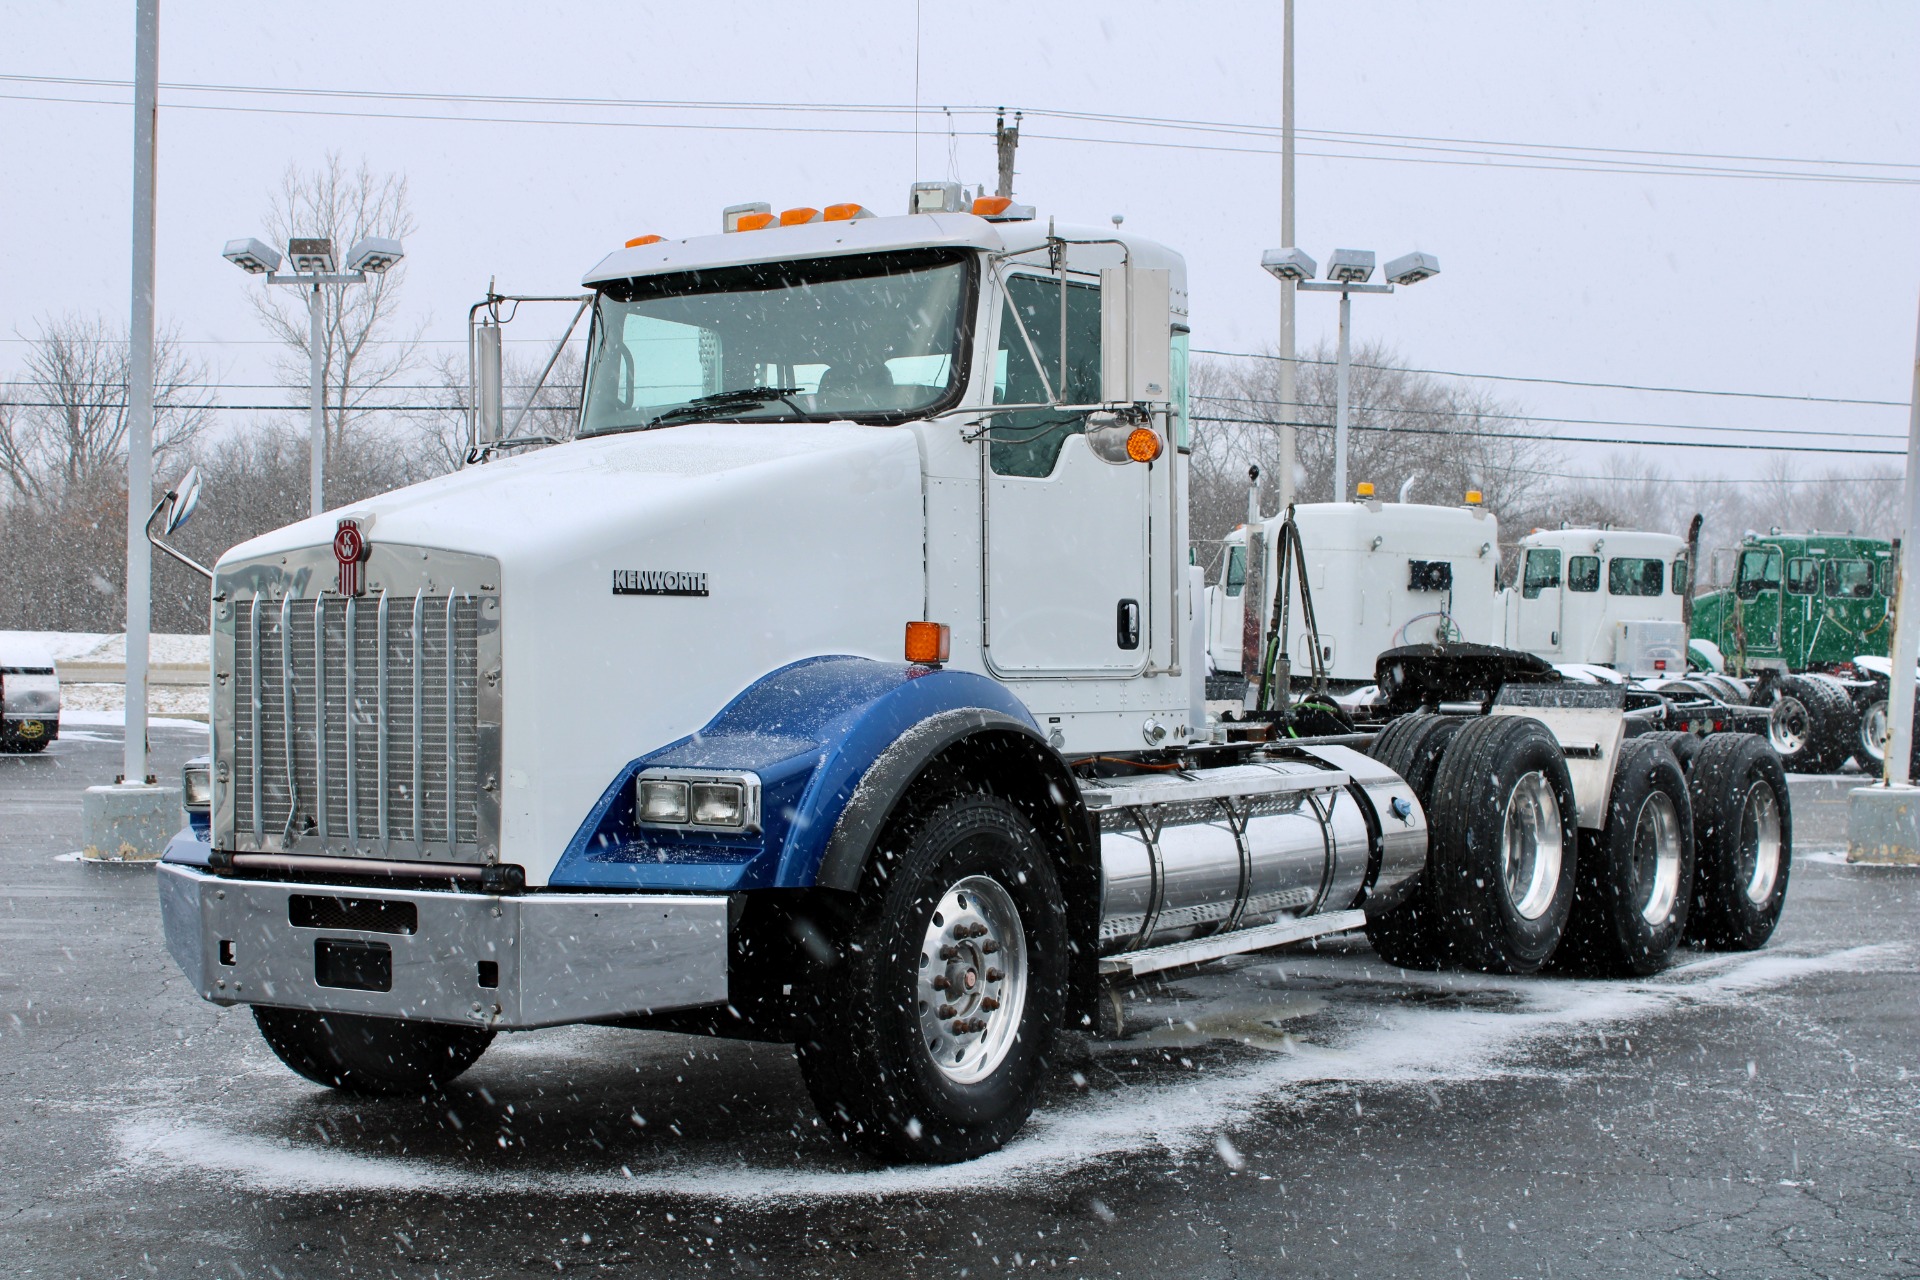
[350, 550]
[658, 582]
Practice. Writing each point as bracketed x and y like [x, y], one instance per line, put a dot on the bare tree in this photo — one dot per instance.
[64, 434]
[1412, 433]
[365, 346]
[554, 410]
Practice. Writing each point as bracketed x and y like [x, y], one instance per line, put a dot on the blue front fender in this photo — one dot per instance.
[810, 731]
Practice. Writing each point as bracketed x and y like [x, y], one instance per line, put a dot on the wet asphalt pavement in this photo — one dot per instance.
[1309, 1113]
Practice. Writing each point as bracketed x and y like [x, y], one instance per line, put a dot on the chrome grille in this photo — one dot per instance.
[347, 741]
[363, 726]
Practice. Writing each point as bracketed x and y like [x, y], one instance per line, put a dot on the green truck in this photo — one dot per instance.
[1796, 613]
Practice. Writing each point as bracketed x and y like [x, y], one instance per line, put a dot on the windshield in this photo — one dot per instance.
[875, 338]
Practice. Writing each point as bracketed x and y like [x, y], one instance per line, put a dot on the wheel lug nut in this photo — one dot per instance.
[994, 975]
[949, 952]
[989, 1003]
[944, 1011]
[940, 982]
[989, 946]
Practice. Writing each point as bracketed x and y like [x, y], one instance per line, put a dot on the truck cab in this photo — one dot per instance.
[1800, 602]
[1600, 597]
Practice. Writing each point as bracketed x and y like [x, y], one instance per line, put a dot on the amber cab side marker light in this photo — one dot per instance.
[637, 241]
[928, 643]
[1143, 445]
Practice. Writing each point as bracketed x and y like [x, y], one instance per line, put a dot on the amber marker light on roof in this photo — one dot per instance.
[927, 642]
[798, 217]
[637, 241]
[753, 222]
[1364, 489]
[1143, 445]
[845, 212]
[1474, 498]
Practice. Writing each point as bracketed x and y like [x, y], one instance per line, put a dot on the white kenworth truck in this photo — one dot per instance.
[841, 683]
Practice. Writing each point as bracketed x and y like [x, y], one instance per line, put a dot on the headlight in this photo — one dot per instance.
[196, 786]
[719, 804]
[662, 800]
[698, 798]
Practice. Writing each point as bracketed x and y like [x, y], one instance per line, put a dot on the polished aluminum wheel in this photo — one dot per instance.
[1656, 858]
[1789, 728]
[1531, 846]
[1875, 729]
[1761, 845]
[973, 979]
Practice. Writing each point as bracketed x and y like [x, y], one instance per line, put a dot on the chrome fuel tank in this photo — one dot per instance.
[1221, 849]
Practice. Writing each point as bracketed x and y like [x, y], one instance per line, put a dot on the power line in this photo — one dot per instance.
[1564, 382]
[1535, 417]
[1559, 439]
[1240, 128]
[1496, 160]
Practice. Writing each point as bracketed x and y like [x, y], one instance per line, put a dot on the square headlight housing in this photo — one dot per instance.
[196, 786]
[698, 800]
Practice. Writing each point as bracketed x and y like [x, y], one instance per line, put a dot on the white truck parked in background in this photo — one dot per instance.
[29, 697]
[842, 683]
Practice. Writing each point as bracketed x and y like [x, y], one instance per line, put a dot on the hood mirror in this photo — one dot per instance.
[183, 501]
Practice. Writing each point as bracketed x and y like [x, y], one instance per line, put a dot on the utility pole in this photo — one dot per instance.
[131, 820]
[1005, 141]
[1289, 410]
[146, 118]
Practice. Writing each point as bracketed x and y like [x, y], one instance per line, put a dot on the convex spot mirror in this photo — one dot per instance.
[184, 500]
[1136, 335]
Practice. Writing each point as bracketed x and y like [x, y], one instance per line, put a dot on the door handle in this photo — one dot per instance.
[1126, 624]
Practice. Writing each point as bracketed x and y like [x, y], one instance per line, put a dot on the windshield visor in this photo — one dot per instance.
[875, 338]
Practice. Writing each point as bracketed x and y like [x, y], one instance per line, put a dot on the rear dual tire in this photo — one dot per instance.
[1743, 836]
[1812, 724]
[1407, 933]
[1635, 876]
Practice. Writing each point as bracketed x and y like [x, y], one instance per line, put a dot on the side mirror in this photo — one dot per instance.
[488, 425]
[184, 500]
[1136, 335]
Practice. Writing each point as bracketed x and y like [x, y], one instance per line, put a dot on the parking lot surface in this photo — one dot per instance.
[1304, 1113]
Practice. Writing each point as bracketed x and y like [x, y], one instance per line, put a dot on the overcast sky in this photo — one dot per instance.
[1668, 278]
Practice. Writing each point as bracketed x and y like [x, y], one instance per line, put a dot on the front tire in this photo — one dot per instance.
[1743, 840]
[931, 1038]
[1636, 875]
[1503, 845]
[358, 1054]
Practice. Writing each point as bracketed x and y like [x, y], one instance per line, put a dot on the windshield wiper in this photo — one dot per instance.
[700, 406]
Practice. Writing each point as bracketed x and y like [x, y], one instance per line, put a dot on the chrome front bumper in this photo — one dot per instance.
[532, 960]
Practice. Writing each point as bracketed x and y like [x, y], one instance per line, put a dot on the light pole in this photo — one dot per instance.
[1347, 274]
[313, 266]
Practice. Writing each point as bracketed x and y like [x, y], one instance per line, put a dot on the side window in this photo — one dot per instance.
[1542, 571]
[1849, 579]
[1583, 573]
[1803, 576]
[1883, 578]
[1759, 570]
[1680, 575]
[1027, 442]
[1236, 570]
[1182, 432]
[1636, 576]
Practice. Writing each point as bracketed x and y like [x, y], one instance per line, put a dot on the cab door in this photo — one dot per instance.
[1757, 601]
[1066, 532]
[1540, 601]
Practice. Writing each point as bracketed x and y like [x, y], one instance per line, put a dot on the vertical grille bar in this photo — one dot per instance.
[453, 753]
[419, 690]
[253, 700]
[353, 738]
[286, 710]
[380, 749]
[320, 711]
